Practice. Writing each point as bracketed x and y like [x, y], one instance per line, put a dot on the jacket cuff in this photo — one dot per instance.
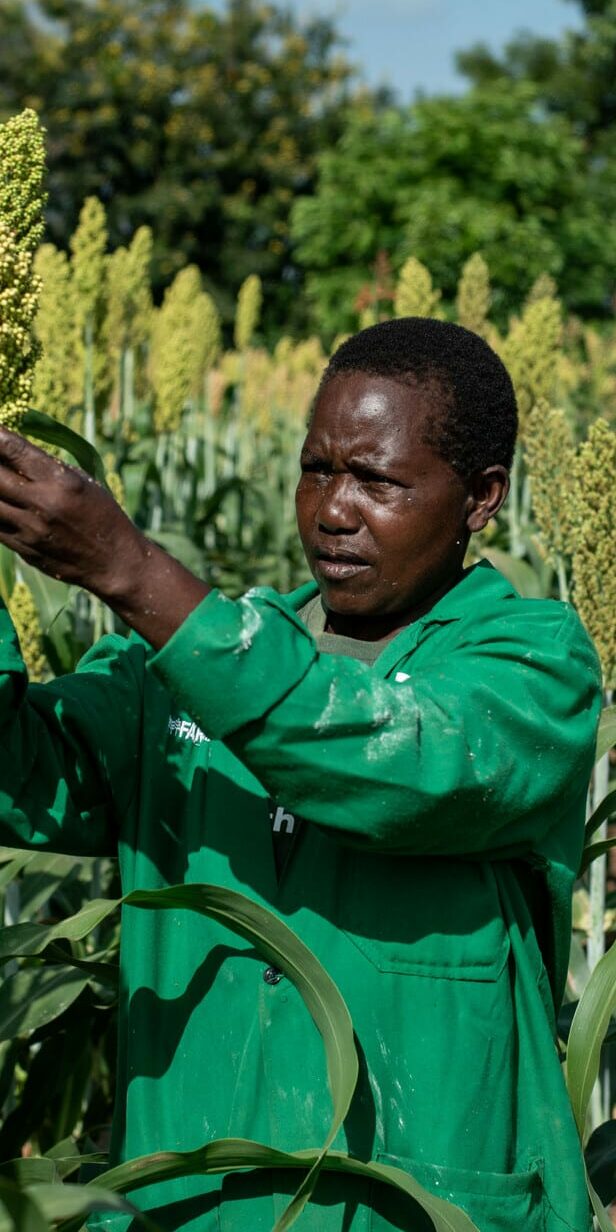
[13, 673]
[232, 660]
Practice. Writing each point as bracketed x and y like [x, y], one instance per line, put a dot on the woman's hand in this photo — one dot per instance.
[64, 523]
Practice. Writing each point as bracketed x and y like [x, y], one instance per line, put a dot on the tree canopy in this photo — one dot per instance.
[489, 171]
[242, 138]
[204, 125]
[573, 75]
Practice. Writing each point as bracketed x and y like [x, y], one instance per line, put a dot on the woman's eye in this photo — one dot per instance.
[376, 480]
[368, 479]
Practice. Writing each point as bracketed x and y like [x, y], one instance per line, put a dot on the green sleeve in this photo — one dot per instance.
[471, 754]
[67, 748]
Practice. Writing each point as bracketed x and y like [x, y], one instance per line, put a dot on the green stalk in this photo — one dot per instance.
[98, 619]
[282, 568]
[563, 581]
[230, 445]
[208, 477]
[156, 518]
[209, 455]
[516, 543]
[90, 417]
[128, 384]
[527, 501]
[599, 1112]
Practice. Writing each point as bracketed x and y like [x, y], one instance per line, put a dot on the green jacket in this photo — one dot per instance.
[442, 791]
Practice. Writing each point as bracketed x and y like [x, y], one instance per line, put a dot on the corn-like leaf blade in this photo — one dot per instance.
[41, 427]
[593, 851]
[62, 1202]
[27, 940]
[606, 735]
[280, 946]
[283, 948]
[235, 1154]
[602, 812]
[588, 1029]
[35, 996]
[18, 1210]
[601, 1215]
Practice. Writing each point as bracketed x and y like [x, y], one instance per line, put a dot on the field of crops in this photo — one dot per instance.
[199, 440]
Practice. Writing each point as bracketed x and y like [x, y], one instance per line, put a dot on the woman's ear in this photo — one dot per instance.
[488, 493]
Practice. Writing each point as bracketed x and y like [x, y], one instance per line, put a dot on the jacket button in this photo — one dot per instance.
[272, 975]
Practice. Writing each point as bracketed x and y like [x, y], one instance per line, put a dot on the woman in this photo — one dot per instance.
[393, 758]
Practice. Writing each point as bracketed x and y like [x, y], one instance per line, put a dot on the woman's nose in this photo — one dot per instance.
[338, 511]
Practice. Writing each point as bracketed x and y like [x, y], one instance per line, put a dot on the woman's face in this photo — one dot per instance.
[384, 520]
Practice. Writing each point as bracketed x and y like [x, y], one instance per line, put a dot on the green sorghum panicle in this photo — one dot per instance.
[544, 287]
[473, 298]
[118, 300]
[129, 297]
[140, 260]
[415, 295]
[549, 451]
[248, 311]
[88, 247]
[185, 343]
[25, 617]
[368, 317]
[114, 480]
[531, 352]
[19, 350]
[208, 337]
[22, 199]
[22, 172]
[54, 327]
[338, 341]
[593, 535]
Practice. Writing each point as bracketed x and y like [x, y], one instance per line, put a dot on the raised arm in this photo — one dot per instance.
[67, 748]
[66, 525]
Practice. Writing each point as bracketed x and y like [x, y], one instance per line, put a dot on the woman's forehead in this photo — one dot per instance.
[372, 408]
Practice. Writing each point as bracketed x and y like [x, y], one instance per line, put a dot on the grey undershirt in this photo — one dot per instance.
[314, 617]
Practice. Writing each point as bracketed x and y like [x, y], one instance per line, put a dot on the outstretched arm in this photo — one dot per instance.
[67, 748]
[68, 526]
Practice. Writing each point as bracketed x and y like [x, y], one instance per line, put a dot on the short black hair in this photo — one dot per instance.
[476, 418]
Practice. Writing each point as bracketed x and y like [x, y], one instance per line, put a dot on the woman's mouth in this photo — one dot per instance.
[337, 568]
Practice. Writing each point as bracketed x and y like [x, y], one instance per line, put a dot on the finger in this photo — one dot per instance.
[25, 531]
[26, 459]
[16, 534]
[31, 557]
[10, 517]
[15, 521]
[14, 488]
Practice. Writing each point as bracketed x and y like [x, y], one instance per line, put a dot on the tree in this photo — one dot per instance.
[573, 76]
[490, 171]
[200, 124]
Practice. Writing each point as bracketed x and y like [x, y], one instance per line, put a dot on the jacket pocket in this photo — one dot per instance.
[429, 916]
[495, 1201]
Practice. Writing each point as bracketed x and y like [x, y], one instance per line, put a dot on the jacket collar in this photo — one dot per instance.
[482, 584]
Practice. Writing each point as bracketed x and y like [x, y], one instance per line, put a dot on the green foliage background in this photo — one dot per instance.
[215, 484]
[246, 141]
[200, 124]
[264, 169]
